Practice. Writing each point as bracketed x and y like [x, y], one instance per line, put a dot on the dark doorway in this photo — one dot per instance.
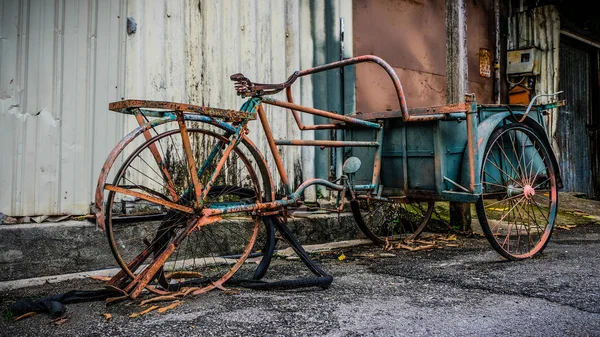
[576, 135]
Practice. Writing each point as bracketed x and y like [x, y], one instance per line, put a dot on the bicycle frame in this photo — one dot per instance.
[252, 109]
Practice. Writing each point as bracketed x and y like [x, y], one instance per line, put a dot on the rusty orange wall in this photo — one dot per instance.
[480, 34]
[411, 36]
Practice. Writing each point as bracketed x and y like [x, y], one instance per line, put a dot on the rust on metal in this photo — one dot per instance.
[149, 198]
[378, 157]
[232, 144]
[225, 114]
[187, 148]
[368, 58]
[322, 113]
[325, 143]
[471, 146]
[141, 281]
[437, 111]
[262, 116]
[303, 127]
[154, 150]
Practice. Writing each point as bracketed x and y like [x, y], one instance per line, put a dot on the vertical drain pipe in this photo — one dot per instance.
[497, 83]
[339, 158]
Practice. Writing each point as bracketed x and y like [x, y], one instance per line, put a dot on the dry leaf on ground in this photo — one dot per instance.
[141, 313]
[162, 299]
[60, 320]
[27, 315]
[168, 307]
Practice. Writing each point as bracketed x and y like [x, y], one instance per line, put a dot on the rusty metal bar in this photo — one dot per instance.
[233, 143]
[149, 198]
[471, 144]
[225, 114]
[142, 280]
[262, 116]
[367, 58]
[187, 147]
[293, 199]
[133, 265]
[321, 113]
[303, 127]
[378, 159]
[324, 143]
[154, 150]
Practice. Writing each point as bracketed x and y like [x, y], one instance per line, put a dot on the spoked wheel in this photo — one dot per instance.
[385, 219]
[519, 201]
[140, 225]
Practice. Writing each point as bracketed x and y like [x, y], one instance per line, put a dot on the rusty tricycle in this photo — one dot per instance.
[187, 199]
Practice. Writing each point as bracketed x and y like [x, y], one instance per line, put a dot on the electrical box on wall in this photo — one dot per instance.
[523, 62]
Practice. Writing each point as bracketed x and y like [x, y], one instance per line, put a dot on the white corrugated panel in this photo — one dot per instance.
[186, 50]
[60, 65]
[63, 61]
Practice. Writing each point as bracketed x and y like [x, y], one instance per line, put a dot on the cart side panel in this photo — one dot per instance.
[434, 149]
[453, 138]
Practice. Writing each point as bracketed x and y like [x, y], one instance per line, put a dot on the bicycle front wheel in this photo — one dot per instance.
[139, 230]
[520, 199]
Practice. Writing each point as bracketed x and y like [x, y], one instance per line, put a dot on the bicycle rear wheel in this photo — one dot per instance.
[382, 220]
[139, 230]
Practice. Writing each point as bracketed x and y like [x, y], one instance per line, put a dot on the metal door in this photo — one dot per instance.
[572, 134]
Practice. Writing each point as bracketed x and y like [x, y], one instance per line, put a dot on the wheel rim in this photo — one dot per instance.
[386, 220]
[212, 253]
[519, 201]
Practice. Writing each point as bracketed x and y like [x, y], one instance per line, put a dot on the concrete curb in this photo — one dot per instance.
[32, 251]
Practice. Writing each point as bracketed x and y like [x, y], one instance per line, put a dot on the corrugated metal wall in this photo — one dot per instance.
[572, 134]
[60, 65]
[63, 61]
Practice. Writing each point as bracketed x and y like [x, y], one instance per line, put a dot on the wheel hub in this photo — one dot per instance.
[528, 191]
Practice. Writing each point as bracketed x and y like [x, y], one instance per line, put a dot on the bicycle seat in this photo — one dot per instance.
[246, 88]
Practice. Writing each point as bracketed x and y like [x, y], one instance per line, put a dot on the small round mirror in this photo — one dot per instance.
[351, 165]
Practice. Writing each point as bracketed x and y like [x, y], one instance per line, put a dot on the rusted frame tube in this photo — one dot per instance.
[293, 199]
[262, 116]
[149, 198]
[324, 143]
[133, 265]
[187, 147]
[365, 187]
[141, 281]
[303, 127]
[406, 117]
[322, 113]
[232, 143]
[378, 158]
[472, 151]
[434, 117]
[367, 58]
[154, 150]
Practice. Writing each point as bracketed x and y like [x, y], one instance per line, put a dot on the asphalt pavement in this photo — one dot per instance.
[455, 291]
